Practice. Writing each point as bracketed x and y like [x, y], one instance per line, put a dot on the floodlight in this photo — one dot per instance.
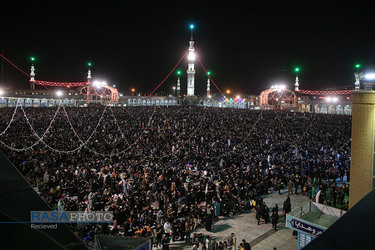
[59, 93]
[370, 76]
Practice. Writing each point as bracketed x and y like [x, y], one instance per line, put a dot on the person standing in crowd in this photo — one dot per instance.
[167, 228]
[266, 213]
[274, 219]
[287, 207]
[246, 245]
[258, 213]
[164, 242]
[290, 187]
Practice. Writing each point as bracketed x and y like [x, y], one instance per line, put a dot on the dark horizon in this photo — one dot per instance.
[135, 45]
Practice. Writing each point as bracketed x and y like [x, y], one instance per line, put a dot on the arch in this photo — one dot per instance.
[276, 94]
[103, 91]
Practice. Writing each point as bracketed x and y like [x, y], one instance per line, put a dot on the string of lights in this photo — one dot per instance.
[208, 75]
[11, 119]
[169, 73]
[6, 59]
[118, 127]
[40, 139]
[111, 154]
[330, 92]
[238, 146]
[60, 84]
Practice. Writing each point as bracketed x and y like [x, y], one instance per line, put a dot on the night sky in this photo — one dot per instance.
[247, 46]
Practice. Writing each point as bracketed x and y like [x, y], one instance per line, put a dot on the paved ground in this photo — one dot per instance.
[245, 227]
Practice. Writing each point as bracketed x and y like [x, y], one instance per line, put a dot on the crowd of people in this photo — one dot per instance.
[164, 171]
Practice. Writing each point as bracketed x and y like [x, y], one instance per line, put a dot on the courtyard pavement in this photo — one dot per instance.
[244, 226]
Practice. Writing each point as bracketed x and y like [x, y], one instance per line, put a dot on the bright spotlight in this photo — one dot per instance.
[335, 99]
[278, 87]
[59, 93]
[191, 56]
[370, 76]
[99, 83]
[2, 92]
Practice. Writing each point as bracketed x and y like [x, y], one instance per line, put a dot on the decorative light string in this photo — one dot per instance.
[40, 139]
[118, 153]
[237, 146]
[208, 75]
[168, 74]
[11, 119]
[118, 127]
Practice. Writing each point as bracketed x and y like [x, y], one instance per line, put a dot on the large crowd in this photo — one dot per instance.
[169, 170]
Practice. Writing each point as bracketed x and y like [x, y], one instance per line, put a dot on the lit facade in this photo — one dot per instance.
[362, 168]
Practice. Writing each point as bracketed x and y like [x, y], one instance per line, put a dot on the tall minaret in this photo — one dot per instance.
[190, 71]
[32, 74]
[296, 84]
[89, 73]
[178, 84]
[208, 85]
[357, 76]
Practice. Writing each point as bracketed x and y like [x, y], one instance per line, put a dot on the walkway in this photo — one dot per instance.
[244, 226]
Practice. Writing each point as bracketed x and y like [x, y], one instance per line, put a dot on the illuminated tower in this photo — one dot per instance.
[296, 84]
[190, 71]
[32, 74]
[357, 76]
[178, 84]
[208, 85]
[89, 73]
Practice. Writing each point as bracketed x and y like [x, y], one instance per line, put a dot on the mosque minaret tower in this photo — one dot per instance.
[190, 71]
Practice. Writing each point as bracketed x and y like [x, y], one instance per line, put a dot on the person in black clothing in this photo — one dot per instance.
[287, 206]
[266, 214]
[275, 208]
[209, 217]
[274, 218]
[258, 213]
[164, 243]
[246, 245]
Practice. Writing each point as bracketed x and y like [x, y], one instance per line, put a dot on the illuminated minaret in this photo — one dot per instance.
[89, 73]
[32, 74]
[357, 76]
[296, 84]
[178, 84]
[208, 85]
[190, 71]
